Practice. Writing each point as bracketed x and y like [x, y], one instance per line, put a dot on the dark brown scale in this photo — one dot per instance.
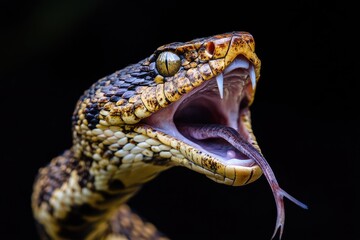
[128, 94]
[130, 79]
[114, 98]
[102, 83]
[138, 74]
[125, 85]
[108, 93]
[119, 84]
[120, 92]
[108, 154]
[152, 66]
[138, 81]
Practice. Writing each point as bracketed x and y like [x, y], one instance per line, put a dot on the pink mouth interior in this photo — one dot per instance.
[203, 105]
[204, 120]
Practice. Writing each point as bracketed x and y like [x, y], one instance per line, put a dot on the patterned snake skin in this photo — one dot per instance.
[141, 120]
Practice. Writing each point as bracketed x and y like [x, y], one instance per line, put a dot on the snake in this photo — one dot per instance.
[188, 105]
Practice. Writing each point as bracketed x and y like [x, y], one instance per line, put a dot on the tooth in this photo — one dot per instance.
[252, 76]
[220, 84]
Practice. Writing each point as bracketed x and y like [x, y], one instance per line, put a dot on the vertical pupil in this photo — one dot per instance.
[168, 63]
[172, 63]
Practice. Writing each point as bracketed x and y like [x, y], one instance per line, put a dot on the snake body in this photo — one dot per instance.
[144, 119]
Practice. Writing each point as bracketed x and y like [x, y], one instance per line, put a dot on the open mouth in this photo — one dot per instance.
[215, 119]
[222, 100]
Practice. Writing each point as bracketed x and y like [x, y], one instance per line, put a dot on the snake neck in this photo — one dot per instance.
[81, 197]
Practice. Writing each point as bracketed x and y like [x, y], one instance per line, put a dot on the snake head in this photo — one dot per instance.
[206, 88]
[209, 80]
[206, 81]
[188, 104]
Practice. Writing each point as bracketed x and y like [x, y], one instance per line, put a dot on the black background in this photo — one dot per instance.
[304, 114]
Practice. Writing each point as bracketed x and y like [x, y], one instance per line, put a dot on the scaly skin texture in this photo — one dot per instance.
[82, 193]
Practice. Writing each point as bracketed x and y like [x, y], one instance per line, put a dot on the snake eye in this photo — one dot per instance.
[168, 63]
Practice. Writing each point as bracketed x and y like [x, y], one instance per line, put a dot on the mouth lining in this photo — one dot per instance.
[207, 107]
[212, 103]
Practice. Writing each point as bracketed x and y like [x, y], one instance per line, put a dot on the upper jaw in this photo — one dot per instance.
[238, 63]
[220, 100]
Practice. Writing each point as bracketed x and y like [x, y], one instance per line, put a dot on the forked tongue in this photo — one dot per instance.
[229, 134]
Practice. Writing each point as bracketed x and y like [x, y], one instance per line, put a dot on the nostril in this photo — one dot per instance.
[210, 48]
